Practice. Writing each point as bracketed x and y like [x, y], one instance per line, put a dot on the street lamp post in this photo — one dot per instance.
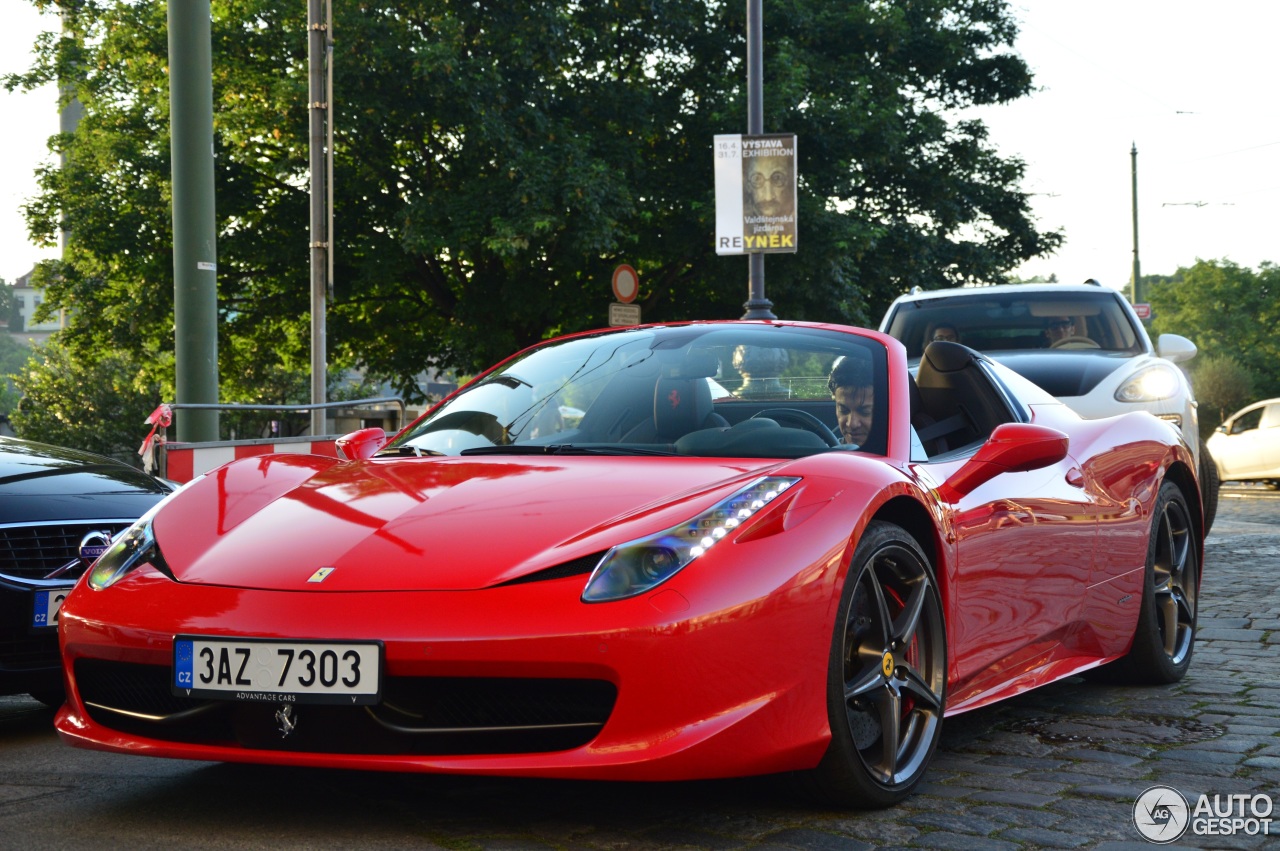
[757, 306]
[1137, 274]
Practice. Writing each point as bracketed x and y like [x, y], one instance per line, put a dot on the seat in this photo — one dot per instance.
[931, 436]
[958, 394]
[680, 406]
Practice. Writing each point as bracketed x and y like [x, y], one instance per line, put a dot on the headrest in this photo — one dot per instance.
[680, 405]
[699, 364]
[945, 356]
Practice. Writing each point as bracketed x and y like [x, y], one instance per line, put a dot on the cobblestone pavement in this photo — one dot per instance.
[1060, 767]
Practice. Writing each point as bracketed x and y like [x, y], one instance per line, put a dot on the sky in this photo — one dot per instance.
[1191, 84]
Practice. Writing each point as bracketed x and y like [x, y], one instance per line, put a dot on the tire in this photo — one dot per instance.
[50, 697]
[1210, 482]
[1165, 636]
[886, 676]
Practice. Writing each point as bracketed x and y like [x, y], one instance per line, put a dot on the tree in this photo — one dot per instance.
[496, 161]
[9, 307]
[1222, 386]
[1228, 311]
[13, 356]
[99, 406]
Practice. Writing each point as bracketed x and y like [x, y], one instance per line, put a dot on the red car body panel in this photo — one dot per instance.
[720, 670]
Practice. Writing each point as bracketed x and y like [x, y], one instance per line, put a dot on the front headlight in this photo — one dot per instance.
[637, 566]
[1156, 382]
[132, 547]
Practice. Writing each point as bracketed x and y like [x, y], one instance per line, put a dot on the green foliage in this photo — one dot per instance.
[99, 406]
[1228, 311]
[496, 161]
[1222, 387]
[13, 357]
[9, 307]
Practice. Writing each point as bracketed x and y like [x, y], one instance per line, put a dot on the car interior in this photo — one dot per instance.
[959, 402]
[1005, 324]
[721, 401]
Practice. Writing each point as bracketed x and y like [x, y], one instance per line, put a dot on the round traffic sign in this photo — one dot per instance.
[626, 284]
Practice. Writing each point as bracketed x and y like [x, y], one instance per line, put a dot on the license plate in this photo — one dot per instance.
[45, 606]
[343, 672]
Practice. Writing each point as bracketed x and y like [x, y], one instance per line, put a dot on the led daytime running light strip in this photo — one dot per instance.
[706, 529]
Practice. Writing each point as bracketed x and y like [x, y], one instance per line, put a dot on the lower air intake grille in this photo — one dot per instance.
[417, 715]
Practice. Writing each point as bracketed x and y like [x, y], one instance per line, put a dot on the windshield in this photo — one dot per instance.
[1006, 321]
[726, 390]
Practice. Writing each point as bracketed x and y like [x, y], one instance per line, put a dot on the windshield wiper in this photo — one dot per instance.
[562, 449]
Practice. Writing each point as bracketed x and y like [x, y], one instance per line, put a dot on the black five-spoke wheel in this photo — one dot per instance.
[1165, 635]
[1176, 580]
[887, 678]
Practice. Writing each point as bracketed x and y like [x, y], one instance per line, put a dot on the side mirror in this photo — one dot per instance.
[361, 444]
[1222, 429]
[1012, 448]
[1175, 348]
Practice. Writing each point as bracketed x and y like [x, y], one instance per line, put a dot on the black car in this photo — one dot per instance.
[59, 509]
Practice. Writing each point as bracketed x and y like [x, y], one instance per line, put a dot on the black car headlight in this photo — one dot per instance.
[132, 547]
[637, 566]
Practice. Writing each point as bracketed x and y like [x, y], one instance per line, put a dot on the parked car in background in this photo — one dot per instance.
[59, 510]
[700, 573]
[1081, 342]
[1247, 446]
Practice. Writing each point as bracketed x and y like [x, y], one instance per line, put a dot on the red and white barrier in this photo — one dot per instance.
[184, 461]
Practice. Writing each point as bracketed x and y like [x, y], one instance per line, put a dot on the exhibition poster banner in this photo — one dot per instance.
[755, 180]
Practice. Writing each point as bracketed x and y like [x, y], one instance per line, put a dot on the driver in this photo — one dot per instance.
[851, 387]
[1058, 329]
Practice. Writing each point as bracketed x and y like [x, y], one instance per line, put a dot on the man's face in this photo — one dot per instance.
[946, 333]
[769, 184]
[854, 407]
[1059, 328]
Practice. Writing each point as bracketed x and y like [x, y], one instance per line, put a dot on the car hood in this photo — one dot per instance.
[1065, 373]
[39, 482]
[444, 523]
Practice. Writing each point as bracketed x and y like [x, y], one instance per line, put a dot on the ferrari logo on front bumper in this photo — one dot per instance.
[286, 719]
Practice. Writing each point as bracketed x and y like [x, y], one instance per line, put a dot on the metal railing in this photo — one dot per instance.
[349, 403]
[154, 448]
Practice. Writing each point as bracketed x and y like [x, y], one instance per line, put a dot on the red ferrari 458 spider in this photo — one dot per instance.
[655, 553]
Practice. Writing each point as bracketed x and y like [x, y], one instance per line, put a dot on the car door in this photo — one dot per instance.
[1024, 540]
[1269, 441]
[1240, 450]
[1025, 545]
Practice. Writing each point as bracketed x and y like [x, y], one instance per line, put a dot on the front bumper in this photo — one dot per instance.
[692, 681]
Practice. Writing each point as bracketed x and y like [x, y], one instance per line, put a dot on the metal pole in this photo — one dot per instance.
[757, 306]
[195, 280]
[330, 117]
[68, 120]
[1137, 273]
[318, 97]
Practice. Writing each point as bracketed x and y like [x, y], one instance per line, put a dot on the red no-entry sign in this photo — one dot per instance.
[626, 284]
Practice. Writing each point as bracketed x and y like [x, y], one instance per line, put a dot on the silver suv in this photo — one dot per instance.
[1081, 342]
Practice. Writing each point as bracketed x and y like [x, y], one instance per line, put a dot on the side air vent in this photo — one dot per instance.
[577, 567]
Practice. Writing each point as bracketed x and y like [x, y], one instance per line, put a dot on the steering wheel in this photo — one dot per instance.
[802, 419]
[1075, 341]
